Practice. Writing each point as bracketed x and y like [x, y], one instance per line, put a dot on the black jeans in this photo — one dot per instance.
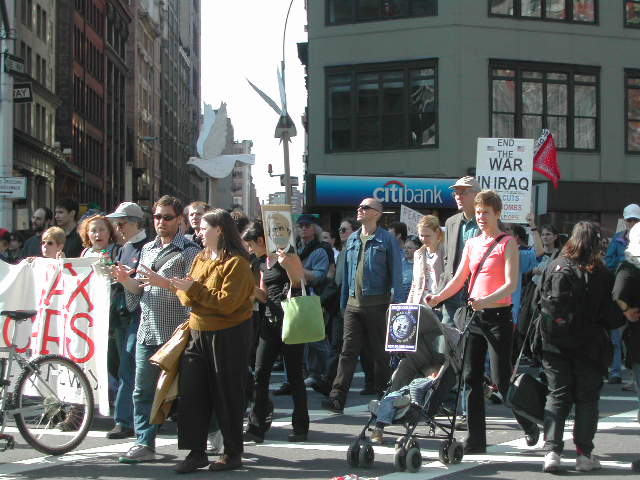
[363, 326]
[213, 374]
[573, 379]
[270, 346]
[492, 330]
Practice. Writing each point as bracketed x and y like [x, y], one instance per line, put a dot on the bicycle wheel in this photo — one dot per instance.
[55, 404]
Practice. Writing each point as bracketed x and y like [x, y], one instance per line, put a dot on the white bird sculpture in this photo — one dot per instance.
[211, 143]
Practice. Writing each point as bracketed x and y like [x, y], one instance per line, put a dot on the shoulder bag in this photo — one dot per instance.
[303, 319]
[464, 314]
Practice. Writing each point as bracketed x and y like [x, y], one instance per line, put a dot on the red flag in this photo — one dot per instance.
[545, 159]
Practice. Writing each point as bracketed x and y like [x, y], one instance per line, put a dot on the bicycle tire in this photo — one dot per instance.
[41, 436]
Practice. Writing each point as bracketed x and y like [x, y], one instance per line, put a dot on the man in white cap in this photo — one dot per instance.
[128, 220]
[459, 228]
[615, 255]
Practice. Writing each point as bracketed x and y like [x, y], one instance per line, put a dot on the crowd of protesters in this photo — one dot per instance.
[208, 269]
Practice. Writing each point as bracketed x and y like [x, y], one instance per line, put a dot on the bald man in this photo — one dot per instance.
[372, 271]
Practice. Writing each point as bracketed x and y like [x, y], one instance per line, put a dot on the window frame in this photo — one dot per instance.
[517, 13]
[354, 16]
[571, 70]
[381, 67]
[625, 23]
[629, 73]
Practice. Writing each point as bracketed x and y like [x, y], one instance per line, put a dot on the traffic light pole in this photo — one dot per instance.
[6, 117]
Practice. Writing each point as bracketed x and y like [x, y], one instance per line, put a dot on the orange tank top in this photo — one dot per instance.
[492, 274]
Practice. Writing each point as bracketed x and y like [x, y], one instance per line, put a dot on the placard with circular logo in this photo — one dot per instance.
[402, 327]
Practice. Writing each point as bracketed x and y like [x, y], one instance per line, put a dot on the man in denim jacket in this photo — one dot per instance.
[373, 270]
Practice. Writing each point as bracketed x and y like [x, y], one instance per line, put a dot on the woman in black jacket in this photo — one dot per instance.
[626, 292]
[575, 298]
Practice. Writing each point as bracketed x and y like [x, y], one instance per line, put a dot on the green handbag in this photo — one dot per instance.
[303, 320]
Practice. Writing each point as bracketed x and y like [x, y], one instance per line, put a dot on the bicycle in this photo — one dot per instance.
[51, 403]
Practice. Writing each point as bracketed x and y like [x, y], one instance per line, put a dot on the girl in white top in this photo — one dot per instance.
[428, 263]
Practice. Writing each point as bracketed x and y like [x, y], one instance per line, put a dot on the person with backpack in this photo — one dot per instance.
[490, 261]
[576, 310]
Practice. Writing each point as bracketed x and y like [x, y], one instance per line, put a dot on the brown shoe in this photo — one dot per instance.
[225, 462]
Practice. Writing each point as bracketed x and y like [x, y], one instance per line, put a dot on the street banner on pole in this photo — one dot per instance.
[410, 218]
[72, 301]
[506, 166]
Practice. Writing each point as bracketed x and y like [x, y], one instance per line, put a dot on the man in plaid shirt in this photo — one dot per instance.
[169, 255]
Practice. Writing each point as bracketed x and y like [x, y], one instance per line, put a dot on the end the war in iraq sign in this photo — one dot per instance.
[506, 166]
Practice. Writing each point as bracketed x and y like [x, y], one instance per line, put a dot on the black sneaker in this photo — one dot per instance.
[532, 436]
[333, 405]
[285, 389]
[119, 432]
[193, 462]
[615, 380]
[322, 387]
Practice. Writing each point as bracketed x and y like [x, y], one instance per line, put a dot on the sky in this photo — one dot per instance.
[242, 39]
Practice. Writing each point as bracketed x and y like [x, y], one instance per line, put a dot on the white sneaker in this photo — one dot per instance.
[586, 464]
[214, 443]
[551, 462]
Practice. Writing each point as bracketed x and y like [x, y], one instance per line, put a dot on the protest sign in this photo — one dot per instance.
[410, 218]
[72, 302]
[506, 166]
[403, 323]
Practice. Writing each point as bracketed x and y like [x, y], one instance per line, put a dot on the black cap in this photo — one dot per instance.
[308, 219]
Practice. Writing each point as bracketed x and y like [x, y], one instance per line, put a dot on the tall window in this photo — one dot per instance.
[580, 11]
[353, 11]
[632, 94]
[528, 96]
[382, 106]
[632, 13]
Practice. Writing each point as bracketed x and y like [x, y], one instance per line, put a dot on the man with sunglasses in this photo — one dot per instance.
[128, 220]
[168, 256]
[372, 270]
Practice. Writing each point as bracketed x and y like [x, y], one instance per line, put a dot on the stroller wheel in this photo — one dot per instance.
[414, 460]
[366, 455]
[400, 459]
[443, 452]
[353, 454]
[455, 452]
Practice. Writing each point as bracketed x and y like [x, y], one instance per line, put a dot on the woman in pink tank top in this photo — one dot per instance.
[491, 328]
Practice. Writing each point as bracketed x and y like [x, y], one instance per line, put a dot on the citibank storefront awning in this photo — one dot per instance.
[414, 192]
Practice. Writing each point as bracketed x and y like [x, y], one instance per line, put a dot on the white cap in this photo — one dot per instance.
[631, 211]
[127, 209]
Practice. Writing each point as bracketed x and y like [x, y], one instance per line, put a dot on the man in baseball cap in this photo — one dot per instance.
[128, 220]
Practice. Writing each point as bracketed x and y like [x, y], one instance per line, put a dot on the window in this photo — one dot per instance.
[382, 106]
[579, 11]
[527, 97]
[353, 11]
[632, 110]
[632, 13]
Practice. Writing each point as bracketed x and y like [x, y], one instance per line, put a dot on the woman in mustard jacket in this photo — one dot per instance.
[213, 369]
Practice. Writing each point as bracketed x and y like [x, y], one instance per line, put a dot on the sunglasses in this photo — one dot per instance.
[367, 207]
[166, 218]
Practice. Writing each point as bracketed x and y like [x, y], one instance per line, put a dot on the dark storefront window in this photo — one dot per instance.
[579, 11]
[527, 97]
[354, 11]
[632, 110]
[632, 13]
[382, 106]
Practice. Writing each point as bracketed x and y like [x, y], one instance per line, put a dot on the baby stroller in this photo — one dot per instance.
[440, 349]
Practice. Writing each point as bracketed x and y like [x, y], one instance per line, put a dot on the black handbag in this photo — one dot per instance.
[526, 395]
[464, 314]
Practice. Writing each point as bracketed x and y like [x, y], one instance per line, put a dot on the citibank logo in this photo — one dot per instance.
[395, 191]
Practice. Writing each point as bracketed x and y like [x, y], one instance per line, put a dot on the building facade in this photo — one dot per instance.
[37, 156]
[243, 191]
[401, 91]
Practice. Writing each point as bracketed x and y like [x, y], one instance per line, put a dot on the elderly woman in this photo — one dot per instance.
[491, 284]
[97, 234]
[213, 369]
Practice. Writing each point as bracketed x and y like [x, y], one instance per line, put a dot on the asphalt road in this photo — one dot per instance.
[323, 456]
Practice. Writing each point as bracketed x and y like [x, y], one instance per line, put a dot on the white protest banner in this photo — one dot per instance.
[506, 166]
[72, 302]
[410, 218]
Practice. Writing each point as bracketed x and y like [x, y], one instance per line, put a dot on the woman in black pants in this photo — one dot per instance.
[492, 329]
[277, 277]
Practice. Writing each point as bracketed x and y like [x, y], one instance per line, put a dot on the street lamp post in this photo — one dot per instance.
[284, 119]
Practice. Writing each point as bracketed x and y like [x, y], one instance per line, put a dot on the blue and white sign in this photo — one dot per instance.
[335, 190]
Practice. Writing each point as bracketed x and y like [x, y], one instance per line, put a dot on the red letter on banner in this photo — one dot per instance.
[46, 338]
[82, 335]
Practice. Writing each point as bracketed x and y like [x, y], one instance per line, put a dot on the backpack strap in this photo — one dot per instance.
[164, 257]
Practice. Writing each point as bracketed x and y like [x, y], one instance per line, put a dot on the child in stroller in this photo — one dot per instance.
[419, 385]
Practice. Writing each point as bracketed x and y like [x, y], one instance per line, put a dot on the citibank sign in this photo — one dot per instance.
[348, 190]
